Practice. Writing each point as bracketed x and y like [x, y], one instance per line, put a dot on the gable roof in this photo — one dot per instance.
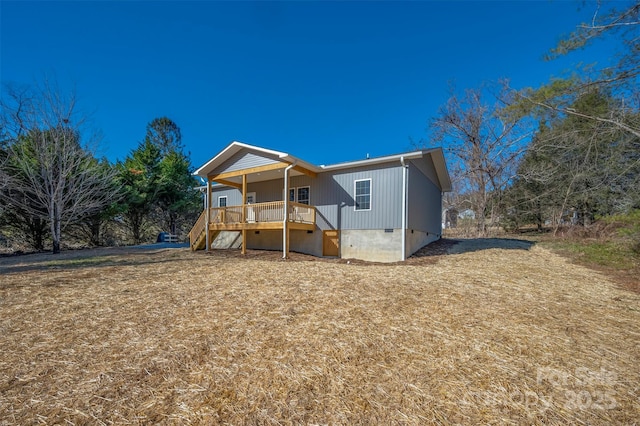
[436, 154]
[236, 147]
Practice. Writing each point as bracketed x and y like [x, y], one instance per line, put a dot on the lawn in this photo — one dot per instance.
[493, 332]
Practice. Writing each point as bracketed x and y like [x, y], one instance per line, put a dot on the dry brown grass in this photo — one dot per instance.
[485, 336]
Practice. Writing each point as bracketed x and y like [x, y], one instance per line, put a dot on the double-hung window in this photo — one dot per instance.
[222, 201]
[362, 194]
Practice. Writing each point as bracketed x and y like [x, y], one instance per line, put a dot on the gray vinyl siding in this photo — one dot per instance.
[244, 160]
[234, 196]
[424, 202]
[303, 180]
[273, 190]
[270, 190]
[333, 195]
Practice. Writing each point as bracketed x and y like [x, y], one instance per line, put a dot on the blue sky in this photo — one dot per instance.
[324, 81]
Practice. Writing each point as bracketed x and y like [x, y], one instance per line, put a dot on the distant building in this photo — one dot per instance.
[449, 218]
[467, 214]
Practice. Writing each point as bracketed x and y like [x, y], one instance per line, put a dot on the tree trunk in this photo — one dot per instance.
[37, 229]
[172, 223]
[95, 231]
[55, 229]
[136, 227]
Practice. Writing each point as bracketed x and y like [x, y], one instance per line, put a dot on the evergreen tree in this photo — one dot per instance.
[176, 195]
[139, 176]
[578, 169]
[157, 180]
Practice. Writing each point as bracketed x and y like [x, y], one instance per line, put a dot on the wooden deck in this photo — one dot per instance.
[252, 217]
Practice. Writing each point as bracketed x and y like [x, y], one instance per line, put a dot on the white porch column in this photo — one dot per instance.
[285, 221]
[244, 214]
[208, 216]
[404, 209]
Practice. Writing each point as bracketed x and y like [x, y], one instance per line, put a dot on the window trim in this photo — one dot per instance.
[294, 190]
[355, 203]
[226, 199]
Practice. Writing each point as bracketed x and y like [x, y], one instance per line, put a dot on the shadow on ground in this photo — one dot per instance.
[450, 246]
[145, 254]
[476, 244]
[87, 258]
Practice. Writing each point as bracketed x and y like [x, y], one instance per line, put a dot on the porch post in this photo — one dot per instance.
[244, 214]
[208, 215]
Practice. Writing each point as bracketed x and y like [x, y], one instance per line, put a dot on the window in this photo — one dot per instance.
[222, 201]
[300, 194]
[362, 194]
[303, 195]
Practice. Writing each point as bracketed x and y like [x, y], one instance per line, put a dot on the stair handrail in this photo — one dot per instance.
[198, 228]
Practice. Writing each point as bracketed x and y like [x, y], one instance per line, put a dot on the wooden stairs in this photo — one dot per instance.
[198, 234]
[200, 242]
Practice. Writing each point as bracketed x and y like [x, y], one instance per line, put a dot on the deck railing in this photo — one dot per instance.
[302, 213]
[263, 212]
[197, 229]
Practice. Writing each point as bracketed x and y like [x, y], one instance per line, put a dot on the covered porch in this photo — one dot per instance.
[249, 217]
[239, 166]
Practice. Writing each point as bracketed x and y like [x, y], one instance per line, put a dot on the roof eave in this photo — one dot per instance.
[371, 161]
[437, 156]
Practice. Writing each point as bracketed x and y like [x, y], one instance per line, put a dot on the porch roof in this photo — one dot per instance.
[236, 147]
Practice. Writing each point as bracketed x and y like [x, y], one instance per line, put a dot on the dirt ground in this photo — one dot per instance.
[490, 331]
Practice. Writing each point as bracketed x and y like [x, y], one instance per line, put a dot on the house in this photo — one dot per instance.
[379, 209]
[467, 214]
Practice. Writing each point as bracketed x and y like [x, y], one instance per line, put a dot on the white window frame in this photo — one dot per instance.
[225, 201]
[355, 195]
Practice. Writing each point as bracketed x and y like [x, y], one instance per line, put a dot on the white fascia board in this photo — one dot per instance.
[257, 148]
[218, 158]
[298, 162]
[372, 161]
[215, 185]
[230, 150]
[236, 146]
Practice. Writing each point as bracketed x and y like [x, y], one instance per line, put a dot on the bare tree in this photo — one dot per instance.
[46, 170]
[620, 79]
[484, 144]
[165, 134]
